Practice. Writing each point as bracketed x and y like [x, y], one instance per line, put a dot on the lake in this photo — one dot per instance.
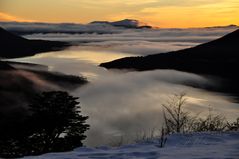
[126, 104]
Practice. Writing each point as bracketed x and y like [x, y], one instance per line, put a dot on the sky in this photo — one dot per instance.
[160, 13]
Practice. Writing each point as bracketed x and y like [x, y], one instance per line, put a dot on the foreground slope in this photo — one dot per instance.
[190, 146]
[13, 46]
[219, 57]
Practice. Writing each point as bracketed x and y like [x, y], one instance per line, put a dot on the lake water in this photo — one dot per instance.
[123, 103]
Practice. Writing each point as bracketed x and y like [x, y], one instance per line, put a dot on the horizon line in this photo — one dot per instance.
[153, 27]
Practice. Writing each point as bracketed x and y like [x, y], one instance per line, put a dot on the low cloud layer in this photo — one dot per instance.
[130, 103]
[126, 103]
[103, 37]
[29, 28]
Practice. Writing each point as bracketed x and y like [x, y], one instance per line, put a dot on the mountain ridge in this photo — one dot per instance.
[125, 23]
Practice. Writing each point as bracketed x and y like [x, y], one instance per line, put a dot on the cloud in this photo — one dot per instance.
[128, 42]
[132, 102]
[179, 3]
[60, 27]
[206, 13]
[8, 17]
[133, 2]
[162, 13]
[115, 2]
[125, 103]
[134, 48]
[137, 42]
[106, 38]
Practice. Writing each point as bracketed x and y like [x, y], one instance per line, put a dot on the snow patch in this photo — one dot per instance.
[214, 145]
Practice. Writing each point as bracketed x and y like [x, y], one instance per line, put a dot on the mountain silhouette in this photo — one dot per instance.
[219, 57]
[126, 23]
[13, 46]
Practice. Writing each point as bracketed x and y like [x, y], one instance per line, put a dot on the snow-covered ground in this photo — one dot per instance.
[189, 146]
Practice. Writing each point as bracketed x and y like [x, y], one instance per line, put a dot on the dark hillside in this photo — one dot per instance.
[13, 46]
[219, 57]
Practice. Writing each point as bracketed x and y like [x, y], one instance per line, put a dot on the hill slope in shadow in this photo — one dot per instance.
[13, 46]
[219, 57]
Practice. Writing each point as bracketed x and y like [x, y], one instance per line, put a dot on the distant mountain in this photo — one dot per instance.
[13, 46]
[100, 22]
[126, 23]
[219, 57]
[224, 27]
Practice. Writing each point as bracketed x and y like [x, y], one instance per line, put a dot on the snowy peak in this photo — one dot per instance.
[126, 23]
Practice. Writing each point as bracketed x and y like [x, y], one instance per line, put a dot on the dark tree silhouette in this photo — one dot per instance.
[58, 120]
[54, 123]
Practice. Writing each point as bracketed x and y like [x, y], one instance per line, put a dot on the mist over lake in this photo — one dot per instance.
[128, 102]
[119, 79]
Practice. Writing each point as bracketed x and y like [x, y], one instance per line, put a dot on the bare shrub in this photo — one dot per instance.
[163, 137]
[175, 117]
[234, 126]
[212, 122]
[177, 120]
[145, 135]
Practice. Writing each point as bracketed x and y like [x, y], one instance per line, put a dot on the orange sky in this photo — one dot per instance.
[161, 13]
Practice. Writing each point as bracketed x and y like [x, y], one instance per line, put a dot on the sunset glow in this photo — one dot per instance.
[161, 13]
